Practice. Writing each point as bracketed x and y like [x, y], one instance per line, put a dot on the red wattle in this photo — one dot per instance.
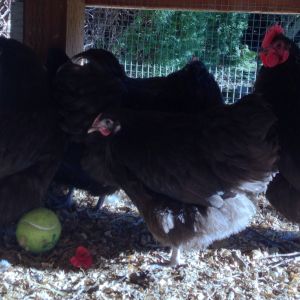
[285, 56]
[271, 59]
[104, 131]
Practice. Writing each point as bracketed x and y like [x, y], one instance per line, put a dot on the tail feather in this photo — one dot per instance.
[178, 224]
[251, 148]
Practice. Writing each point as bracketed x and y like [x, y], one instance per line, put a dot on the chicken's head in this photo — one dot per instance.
[105, 125]
[275, 48]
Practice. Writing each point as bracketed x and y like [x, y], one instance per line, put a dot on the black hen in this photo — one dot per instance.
[70, 174]
[95, 81]
[190, 90]
[279, 83]
[100, 82]
[83, 90]
[31, 143]
[189, 175]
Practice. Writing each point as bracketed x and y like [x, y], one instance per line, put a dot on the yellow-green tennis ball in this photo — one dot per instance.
[38, 230]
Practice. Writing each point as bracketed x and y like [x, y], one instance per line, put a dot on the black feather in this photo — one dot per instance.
[31, 142]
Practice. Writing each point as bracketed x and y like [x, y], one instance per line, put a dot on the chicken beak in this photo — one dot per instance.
[92, 129]
[95, 125]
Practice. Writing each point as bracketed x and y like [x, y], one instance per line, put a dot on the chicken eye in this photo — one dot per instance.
[279, 45]
[108, 123]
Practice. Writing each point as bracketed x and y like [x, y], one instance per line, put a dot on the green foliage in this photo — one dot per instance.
[171, 38]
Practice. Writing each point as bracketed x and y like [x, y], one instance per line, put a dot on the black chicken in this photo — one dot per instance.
[279, 83]
[95, 81]
[70, 174]
[31, 142]
[190, 90]
[100, 82]
[189, 175]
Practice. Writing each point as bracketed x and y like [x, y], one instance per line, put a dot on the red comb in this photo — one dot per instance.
[271, 34]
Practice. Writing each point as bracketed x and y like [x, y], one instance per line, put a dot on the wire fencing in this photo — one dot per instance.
[5, 10]
[157, 42]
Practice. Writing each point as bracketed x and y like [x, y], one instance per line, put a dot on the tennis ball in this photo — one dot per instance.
[38, 230]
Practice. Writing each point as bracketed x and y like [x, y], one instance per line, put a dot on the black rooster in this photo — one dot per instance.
[31, 142]
[279, 83]
[189, 175]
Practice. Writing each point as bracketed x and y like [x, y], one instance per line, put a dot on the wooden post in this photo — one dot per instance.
[54, 23]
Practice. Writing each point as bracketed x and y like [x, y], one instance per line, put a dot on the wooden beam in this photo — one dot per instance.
[54, 23]
[75, 26]
[262, 6]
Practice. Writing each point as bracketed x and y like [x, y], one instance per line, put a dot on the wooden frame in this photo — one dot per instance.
[262, 6]
[54, 23]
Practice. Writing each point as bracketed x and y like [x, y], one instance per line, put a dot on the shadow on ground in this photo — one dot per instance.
[108, 234]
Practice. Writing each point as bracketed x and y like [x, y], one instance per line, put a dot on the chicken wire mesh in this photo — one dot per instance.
[157, 42]
[5, 6]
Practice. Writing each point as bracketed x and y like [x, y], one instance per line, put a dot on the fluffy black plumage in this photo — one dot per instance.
[280, 86]
[192, 89]
[70, 174]
[95, 81]
[82, 90]
[189, 175]
[100, 82]
[31, 143]
[187, 161]
[56, 57]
